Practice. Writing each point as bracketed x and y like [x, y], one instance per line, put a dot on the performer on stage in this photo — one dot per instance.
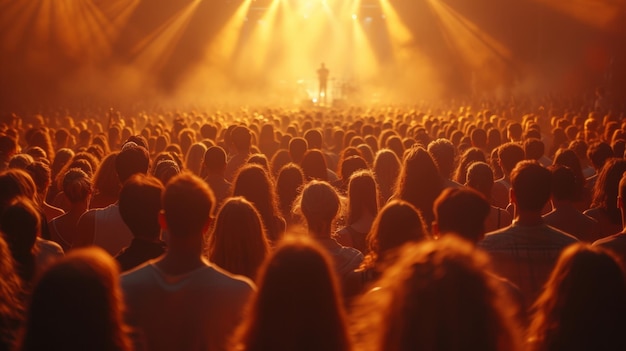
[322, 74]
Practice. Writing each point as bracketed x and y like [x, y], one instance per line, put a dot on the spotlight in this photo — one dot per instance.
[354, 16]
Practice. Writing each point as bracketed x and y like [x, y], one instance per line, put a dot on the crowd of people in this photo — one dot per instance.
[395, 228]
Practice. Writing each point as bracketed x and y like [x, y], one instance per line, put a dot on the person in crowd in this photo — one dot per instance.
[195, 158]
[12, 304]
[40, 173]
[567, 157]
[443, 153]
[254, 183]
[616, 243]
[239, 151]
[348, 167]
[509, 155]
[215, 168]
[238, 242]
[598, 153]
[534, 149]
[462, 211]
[604, 201]
[419, 182]
[468, 157]
[386, 170]
[320, 205]
[397, 223]
[297, 148]
[140, 205]
[526, 251]
[362, 210]
[8, 148]
[480, 178]
[583, 305]
[78, 189]
[165, 170]
[298, 304]
[77, 305]
[104, 227]
[203, 304]
[106, 184]
[436, 296]
[314, 166]
[564, 215]
[61, 159]
[267, 140]
[289, 182]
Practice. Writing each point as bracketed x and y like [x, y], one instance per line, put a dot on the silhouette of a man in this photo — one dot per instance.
[322, 74]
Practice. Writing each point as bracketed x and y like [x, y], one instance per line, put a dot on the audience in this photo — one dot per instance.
[418, 164]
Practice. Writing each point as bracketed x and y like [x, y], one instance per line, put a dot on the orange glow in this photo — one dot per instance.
[154, 51]
[596, 13]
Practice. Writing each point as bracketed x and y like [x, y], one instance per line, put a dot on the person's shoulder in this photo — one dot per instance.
[49, 247]
[560, 235]
[226, 280]
[612, 240]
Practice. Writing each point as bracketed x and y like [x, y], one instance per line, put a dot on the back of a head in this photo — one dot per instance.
[20, 222]
[314, 139]
[288, 183]
[297, 148]
[514, 131]
[443, 153]
[314, 165]
[188, 204]
[214, 159]
[418, 304]
[254, 183]
[533, 148]
[585, 292]
[480, 177]
[297, 306]
[241, 138]
[77, 185]
[462, 211]
[531, 184]
[238, 242]
[140, 204]
[563, 183]
[319, 203]
[13, 183]
[77, 305]
[598, 153]
[362, 195]
[166, 170]
[8, 146]
[397, 223]
[40, 173]
[479, 138]
[351, 165]
[509, 155]
[131, 160]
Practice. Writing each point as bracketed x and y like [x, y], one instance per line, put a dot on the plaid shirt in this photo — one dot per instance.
[526, 255]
